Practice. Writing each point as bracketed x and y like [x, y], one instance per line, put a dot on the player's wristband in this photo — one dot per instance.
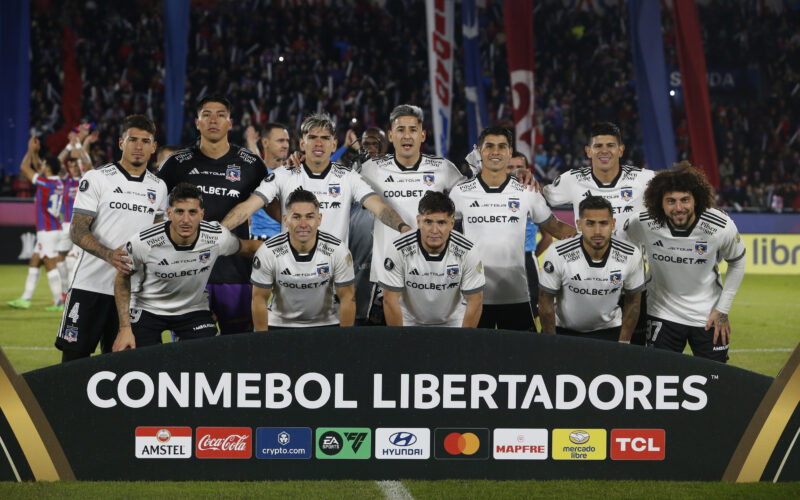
[400, 226]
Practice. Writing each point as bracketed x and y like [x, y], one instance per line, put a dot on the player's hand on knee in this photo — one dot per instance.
[722, 327]
[124, 341]
[119, 259]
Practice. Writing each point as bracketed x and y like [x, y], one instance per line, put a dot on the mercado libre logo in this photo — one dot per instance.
[461, 444]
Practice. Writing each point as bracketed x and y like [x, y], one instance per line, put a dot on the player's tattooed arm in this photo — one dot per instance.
[630, 316]
[547, 312]
[122, 297]
[242, 211]
[386, 214]
[558, 229]
[722, 327]
[81, 234]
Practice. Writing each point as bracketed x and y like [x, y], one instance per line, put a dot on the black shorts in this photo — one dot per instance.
[147, 327]
[611, 334]
[671, 336]
[89, 318]
[532, 270]
[508, 317]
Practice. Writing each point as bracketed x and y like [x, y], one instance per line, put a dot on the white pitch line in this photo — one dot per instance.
[27, 348]
[773, 349]
[394, 490]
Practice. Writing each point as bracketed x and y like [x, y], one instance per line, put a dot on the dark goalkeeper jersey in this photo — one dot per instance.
[224, 182]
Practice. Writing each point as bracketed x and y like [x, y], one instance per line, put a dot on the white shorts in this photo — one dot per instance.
[64, 241]
[47, 243]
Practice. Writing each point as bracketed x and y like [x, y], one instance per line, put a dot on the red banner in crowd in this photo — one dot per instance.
[519, 47]
[441, 50]
[695, 88]
[70, 95]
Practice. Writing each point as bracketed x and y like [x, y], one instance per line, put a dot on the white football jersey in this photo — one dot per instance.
[122, 206]
[402, 188]
[432, 285]
[171, 278]
[497, 217]
[587, 292]
[336, 189]
[684, 283]
[625, 192]
[302, 285]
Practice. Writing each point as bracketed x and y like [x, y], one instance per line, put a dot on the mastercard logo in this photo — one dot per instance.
[461, 444]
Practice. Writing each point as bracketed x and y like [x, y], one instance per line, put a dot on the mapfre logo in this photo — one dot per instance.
[638, 444]
[520, 444]
[224, 442]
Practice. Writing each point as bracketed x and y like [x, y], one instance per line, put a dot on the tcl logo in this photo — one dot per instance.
[637, 444]
[224, 442]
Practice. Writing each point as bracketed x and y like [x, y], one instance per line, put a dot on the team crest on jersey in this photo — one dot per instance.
[626, 194]
[428, 179]
[701, 247]
[71, 334]
[151, 195]
[616, 278]
[203, 257]
[233, 173]
[452, 272]
[513, 205]
[334, 190]
[323, 270]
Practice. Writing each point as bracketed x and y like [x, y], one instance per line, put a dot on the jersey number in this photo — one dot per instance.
[653, 327]
[73, 313]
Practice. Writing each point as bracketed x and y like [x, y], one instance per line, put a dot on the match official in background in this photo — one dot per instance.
[303, 268]
[584, 276]
[683, 236]
[426, 273]
[174, 261]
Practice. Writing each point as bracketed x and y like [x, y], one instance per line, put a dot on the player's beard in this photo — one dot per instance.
[689, 218]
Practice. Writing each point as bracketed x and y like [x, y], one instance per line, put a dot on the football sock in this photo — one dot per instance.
[62, 274]
[30, 283]
[54, 279]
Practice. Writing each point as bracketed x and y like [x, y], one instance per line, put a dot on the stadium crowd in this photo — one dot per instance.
[288, 60]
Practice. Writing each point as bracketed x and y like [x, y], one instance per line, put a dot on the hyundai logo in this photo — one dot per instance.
[402, 439]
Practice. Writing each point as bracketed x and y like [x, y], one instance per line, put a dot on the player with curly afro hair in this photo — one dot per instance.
[684, 179]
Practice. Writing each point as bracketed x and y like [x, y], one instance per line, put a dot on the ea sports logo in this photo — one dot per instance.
[163, 435]
[461, 444]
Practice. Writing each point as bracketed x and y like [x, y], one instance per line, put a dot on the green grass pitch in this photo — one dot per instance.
[764, 322]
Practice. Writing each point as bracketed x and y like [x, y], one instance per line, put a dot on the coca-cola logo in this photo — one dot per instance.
[224, 442]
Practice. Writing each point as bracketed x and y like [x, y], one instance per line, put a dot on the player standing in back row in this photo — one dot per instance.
[684, 237]
[113, 202]
[494, 208]
[226, 174]
[622, 185]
